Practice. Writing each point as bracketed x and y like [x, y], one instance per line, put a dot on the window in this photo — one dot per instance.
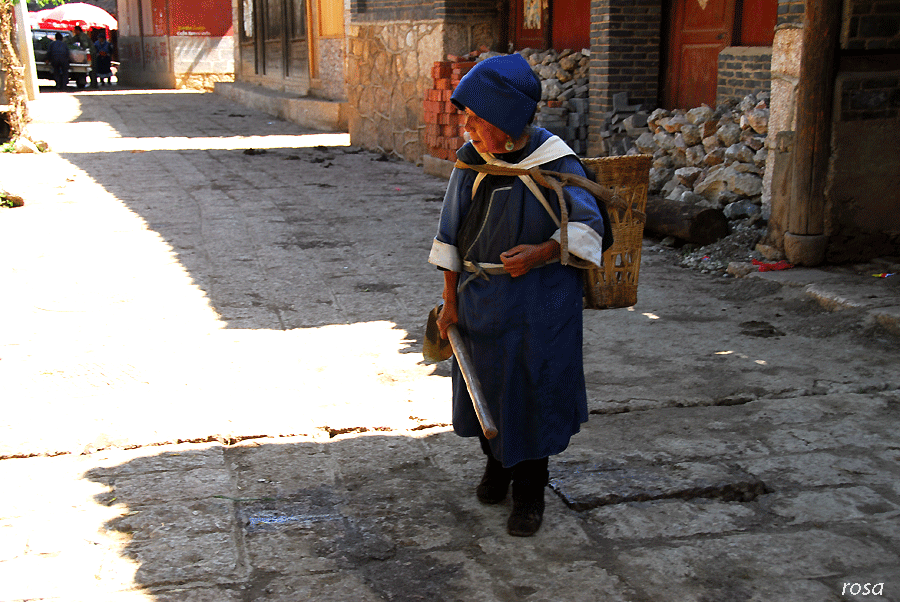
[247, 23]
[274, 19]
[298, 23]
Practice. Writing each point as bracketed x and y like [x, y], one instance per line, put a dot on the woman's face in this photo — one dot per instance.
[485, 137]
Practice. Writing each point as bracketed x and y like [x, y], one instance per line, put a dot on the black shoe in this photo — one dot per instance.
[527, 513]
[530, 477]
[495, 483]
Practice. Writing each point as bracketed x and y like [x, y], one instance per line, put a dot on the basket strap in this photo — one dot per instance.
[529, 177]
[555, 181]
[545, 177]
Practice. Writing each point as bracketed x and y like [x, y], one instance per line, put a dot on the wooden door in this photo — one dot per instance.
[700, 30]
[758, 20]
[529, 24]
[571, 24]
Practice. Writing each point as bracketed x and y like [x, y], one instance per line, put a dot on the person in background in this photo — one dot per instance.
[518, 308]
[103, 53]
[58, 57]
[84, 42]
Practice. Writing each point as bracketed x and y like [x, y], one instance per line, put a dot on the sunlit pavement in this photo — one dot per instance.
[162, 275]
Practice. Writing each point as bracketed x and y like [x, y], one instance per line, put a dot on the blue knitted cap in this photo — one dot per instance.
[502, 90]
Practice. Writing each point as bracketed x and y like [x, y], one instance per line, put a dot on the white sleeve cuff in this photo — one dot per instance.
[584, 242]
[445, 256]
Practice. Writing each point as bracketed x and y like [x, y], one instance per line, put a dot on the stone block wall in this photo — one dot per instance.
[389, 68]
[625, 55]
[743, 70]
[386, 79]
[709, 157]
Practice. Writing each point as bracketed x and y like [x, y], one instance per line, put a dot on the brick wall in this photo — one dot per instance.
[443, 121]
[869, 86]
[870, 96]
[403, 10]
[791, 12]
[625, 43]
[391, 10]
[743, 70]
[464, 9]
[872, 26]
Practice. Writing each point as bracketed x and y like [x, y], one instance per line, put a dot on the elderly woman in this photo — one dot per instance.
[518, 308]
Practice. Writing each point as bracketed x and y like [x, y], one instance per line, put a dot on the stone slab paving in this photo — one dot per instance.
[213, 391]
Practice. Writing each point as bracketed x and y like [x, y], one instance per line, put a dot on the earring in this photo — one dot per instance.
[510, 145]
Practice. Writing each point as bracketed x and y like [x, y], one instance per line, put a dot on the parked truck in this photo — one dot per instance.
[79, 58]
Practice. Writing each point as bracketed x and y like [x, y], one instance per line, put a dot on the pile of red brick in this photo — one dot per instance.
[443, 121]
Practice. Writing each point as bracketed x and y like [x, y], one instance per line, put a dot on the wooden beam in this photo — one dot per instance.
[812, 144]
[690, 222]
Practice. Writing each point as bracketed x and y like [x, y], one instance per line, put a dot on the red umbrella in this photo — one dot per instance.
[67, 16]
[35, 18]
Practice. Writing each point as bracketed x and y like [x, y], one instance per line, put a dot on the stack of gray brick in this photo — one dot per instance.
[563, 109]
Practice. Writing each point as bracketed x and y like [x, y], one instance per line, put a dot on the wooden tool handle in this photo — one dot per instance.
[468, 371]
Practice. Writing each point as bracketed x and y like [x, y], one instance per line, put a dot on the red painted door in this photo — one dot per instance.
[700, 30]
[528, 23]
[571, 24]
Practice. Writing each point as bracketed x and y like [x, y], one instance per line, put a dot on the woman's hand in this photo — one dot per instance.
[519, 260]
[448, 317]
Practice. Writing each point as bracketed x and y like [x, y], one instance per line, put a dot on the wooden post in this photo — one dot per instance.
[812, 144]
[690, 222]
[26, 50]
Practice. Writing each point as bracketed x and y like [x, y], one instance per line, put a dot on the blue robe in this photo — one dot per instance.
[525, 333]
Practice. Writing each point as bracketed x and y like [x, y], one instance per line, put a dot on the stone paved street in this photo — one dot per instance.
[212, 391]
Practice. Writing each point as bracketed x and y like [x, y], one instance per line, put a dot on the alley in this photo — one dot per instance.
[213, 390]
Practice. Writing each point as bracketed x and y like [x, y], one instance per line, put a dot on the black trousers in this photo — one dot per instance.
[527, 473]
[61, 74]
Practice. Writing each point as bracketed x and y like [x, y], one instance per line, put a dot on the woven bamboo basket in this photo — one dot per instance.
[615, 283]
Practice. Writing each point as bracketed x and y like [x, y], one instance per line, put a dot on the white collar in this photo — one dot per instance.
[552, 148]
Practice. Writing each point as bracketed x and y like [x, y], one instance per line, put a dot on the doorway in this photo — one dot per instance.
[545, 24]
[700, 30]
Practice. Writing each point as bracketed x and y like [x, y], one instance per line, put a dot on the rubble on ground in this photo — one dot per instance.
[715, 157]
[738, 247]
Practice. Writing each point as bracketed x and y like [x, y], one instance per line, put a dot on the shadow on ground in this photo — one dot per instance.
[375, 517]
[278, 238]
